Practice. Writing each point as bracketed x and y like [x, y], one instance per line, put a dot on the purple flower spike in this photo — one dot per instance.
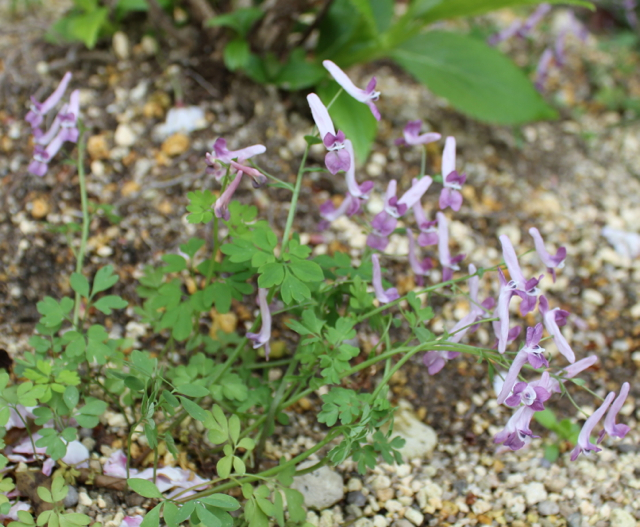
[38, 110]
[367, 96]
[225, 155]
[534, 20]
[412, 135]
[526, 289]
[40, 162]
[383, 225]
[384, 297]
[436, 360]
[420, 268]
[610, 426]
[533, 349]
[349, 206]
[512, 376]
[262, 338]
[584, 445]
[553, 318]
[452, 181]
[221, 207]
[257, 178]
[552, 262]
[69, 119]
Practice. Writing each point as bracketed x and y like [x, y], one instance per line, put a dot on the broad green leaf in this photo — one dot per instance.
[294, 289]
[152, 518]
[271, 274]
[306, 270]
[546, 418]
[175, 263]
[236, 54]
[80, 284]
[352, 117]
[58, 489]
[192, 246]
[295, 504]
[105, 278]
[476, 78]
[192, 390]
[109, 302]
[224, 466]
[169, 514]
[183, 324]
[234, 428]
[207, 518]
[239, 19]
[299, 73]
[71, 396]
[144, 487]
[434, 10]
[221, 501]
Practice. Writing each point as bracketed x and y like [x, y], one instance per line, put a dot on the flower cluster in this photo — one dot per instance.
[551, 55]
[63, 128]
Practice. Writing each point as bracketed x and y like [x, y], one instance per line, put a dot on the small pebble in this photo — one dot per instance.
[548, 507]
[84, 499]
[71, 499]
[356, 498]
[414, 516]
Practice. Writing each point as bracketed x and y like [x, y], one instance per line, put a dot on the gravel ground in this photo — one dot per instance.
[569, 178]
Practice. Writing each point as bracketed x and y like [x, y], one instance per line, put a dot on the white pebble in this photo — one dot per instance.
[414, 516]
[124, 135]
[84, 499]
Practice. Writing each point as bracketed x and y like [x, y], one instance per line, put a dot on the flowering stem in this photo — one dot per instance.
[423, 161]
[85, 223]
[294, 200]
[214, 250]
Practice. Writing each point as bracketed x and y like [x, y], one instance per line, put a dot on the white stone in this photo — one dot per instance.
[534, 493]
[621, 518]
[414, 516]
[363, 522]
[380, 483]
[84, 499]
[593, 296]
[380, 521]
[120, 43]
[354, 485]
[321, 488]
[420, 439]
[185, 119]
[124, 135]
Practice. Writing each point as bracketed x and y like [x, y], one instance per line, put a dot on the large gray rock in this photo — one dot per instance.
[420, 438]
[321, 488]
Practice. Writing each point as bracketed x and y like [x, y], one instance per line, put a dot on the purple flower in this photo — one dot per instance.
[428, 232]
[357, 191]
[534, 19]
[552, 262]
[221, 154]
[420, 268]
[411, 135]
[257, 178]
[505, 34]
[349, 206]
[553, 319]
[584, 444]
[517, 433]
[448, 263]
[262, 338]
[337, 158]
[610, 426]
[436, 360]
[452, 181]
[39, 109]
[367, 96]
[221, 206]
[630, 12]
[383, 296]
[532, 396]
[398, 207]
[383, 225]
[527, 290]
[531, 352]
[542, 70]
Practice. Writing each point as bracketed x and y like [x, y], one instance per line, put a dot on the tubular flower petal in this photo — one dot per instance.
[40, 109]
[542, 70]
[257, 178]
[517, 433]
[262, 338]
[448, 263]
[610, 426]
[357, 191]
[221, 206]
[552, 262]
[411, 135]
[383, 296]
[349, 206]
[383, 225]
[584, 445]
[450, 195]
[525, 289]
[420, 268]
[367, 96]
[428, 232]
[337, 158]
[553, 318]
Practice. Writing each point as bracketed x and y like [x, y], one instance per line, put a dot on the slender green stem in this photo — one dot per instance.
[294, 200]
[267, 473]
[214, 250]
[423, 161]
[85, 223]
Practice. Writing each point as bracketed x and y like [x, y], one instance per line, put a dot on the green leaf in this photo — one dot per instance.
[84, 27]
[192, 246]
[294, 289]
[185, 511]
[433, 10]
[476, 78]
[58, 489]
[299, 73]
[183, 324]
[193, 409]
[53, 312]
[295, 504]
[224, 466]
[169, 514]
[239, 19]
[80, 284]
[546, 418]
[239, 251]
[192, 390]
[306, 270]
[352, 117]
[152, 518]
[236, 54]
[220, 293]
[144, 487]
[109, 302]
[312, 140]
[105, 278]
[175, 263]
[71, 396]
[44, 494]
[234, 428]
[551, 452]
[221, 501]
[271, 274]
